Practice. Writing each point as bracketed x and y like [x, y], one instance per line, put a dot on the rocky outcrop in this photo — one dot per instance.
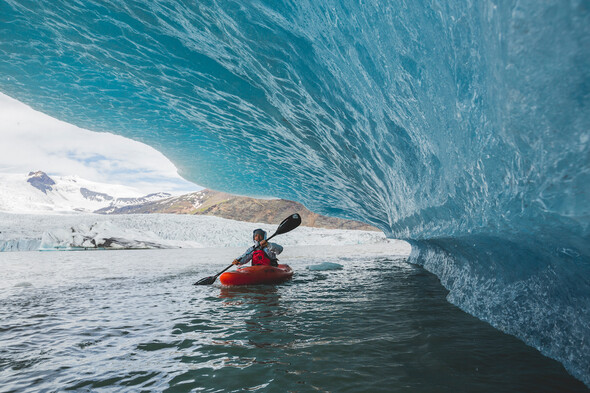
[219, 204]
[95, 196]
[41, 181]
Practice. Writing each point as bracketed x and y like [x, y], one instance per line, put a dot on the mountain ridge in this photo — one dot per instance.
[220, 204]
[38, 192]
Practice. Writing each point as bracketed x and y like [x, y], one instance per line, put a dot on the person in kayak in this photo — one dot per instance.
[262, 252]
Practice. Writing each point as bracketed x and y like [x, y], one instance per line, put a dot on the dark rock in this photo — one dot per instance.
[95, 196]
[41, 181]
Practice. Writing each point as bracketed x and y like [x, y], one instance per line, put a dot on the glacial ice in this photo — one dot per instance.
[460, 126]
[325, 266]
[19, 244]
[33, 232]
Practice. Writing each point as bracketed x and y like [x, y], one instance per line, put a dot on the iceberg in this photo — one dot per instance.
[462, 126]
[324, 266]
[19, 244]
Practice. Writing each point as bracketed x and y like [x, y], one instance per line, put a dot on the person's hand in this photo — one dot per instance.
[235, 262]
[263, 243]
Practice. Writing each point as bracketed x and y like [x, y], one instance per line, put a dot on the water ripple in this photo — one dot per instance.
[374, 325]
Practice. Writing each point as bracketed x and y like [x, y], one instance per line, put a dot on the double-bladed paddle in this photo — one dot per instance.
[287, 225]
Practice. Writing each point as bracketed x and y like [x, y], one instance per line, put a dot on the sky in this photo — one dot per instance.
[32, 141]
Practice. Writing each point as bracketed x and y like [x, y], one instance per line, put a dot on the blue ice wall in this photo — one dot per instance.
[462, 126]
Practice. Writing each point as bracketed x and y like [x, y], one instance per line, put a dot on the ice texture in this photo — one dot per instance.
[325, 266]
[51, 232]
[462, 126]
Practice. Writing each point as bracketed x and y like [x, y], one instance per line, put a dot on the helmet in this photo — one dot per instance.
[259, 231]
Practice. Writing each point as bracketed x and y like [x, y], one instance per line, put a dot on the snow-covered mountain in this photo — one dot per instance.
[32, 217]
[38, 192]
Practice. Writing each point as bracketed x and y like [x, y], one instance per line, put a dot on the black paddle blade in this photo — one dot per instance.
[288, 224]
[206, 281]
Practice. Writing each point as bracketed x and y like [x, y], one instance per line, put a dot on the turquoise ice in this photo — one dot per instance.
[460, 126]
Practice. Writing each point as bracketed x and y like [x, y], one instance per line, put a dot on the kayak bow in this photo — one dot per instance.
[258, 274]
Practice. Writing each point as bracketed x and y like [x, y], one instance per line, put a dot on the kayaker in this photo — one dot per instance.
[262, 252]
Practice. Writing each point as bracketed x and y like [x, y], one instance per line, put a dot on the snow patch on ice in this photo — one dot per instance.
[325, 266]
[25, 232]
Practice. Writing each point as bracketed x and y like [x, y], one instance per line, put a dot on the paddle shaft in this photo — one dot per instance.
[218, 274]
[287, 225]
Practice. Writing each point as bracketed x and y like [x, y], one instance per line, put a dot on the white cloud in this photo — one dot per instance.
[31, 141]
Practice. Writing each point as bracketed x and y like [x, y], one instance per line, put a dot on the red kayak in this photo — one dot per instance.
[259, 274]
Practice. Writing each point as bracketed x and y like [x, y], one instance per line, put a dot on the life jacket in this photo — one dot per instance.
[259, 257]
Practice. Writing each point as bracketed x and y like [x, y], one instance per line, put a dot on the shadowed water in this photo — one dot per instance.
[133, 321]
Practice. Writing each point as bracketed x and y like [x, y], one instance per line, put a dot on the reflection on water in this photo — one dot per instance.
[260, 294]
[264, 300]
[377, 325]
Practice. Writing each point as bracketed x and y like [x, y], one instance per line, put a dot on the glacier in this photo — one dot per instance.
[61, 232]
[462, 127]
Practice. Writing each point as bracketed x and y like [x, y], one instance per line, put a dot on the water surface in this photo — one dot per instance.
[132, 321]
